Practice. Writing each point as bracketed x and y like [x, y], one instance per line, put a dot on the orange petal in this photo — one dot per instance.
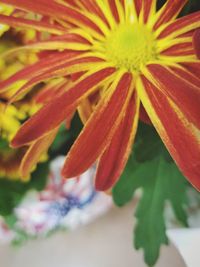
[99, 129]
[85, 110]
[114, 159]
[34, 153]
[180, 136]
[52, 114]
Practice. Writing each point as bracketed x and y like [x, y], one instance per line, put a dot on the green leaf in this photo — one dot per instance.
[190, 7]
[39, 177]
[61, 138]
[150, 231]
[12, 192]
[10, 220]
[3, 144]
[159, 181]
[148, 144]
[65, 138]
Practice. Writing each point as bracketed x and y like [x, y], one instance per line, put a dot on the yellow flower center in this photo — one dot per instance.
[130, 46]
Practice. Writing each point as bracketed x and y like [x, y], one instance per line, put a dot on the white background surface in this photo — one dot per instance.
[188, 243]
[105, 243]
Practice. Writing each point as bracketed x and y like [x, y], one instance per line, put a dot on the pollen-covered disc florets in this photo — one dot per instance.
[130, 46]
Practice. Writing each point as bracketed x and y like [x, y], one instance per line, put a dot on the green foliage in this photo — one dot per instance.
[65, 138]
[151, 169]
[190, 7]
[12, 192]
[3, 144]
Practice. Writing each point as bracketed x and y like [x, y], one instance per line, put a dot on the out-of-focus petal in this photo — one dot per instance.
[42, 66]
[138, 6]
[56, 10]
[85, 110]
[34, 153]
[36, 25]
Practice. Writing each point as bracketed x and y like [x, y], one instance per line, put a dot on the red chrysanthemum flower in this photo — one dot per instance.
[122, 53]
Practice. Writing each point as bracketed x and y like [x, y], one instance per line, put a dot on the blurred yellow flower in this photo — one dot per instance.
[11, 116]
[10, 120]
[5, 10]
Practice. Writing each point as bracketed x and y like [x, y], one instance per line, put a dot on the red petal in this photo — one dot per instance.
[179, 135]
[183, 49]
[54, 71]
[98, 130]
[196, 42]
[169, 11]
[144, 116]
[193, 67]
[182, 25]
[69, 118]
[38, 68]
[54, 10]
[123, 3]
[185, 74]
[148, 6]
[138, 6]
[92, 7]
[181, 88]
[50, 91]
[114, 10]
[37, 25]
[51, 115]
[77, 75]
[114, 159]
